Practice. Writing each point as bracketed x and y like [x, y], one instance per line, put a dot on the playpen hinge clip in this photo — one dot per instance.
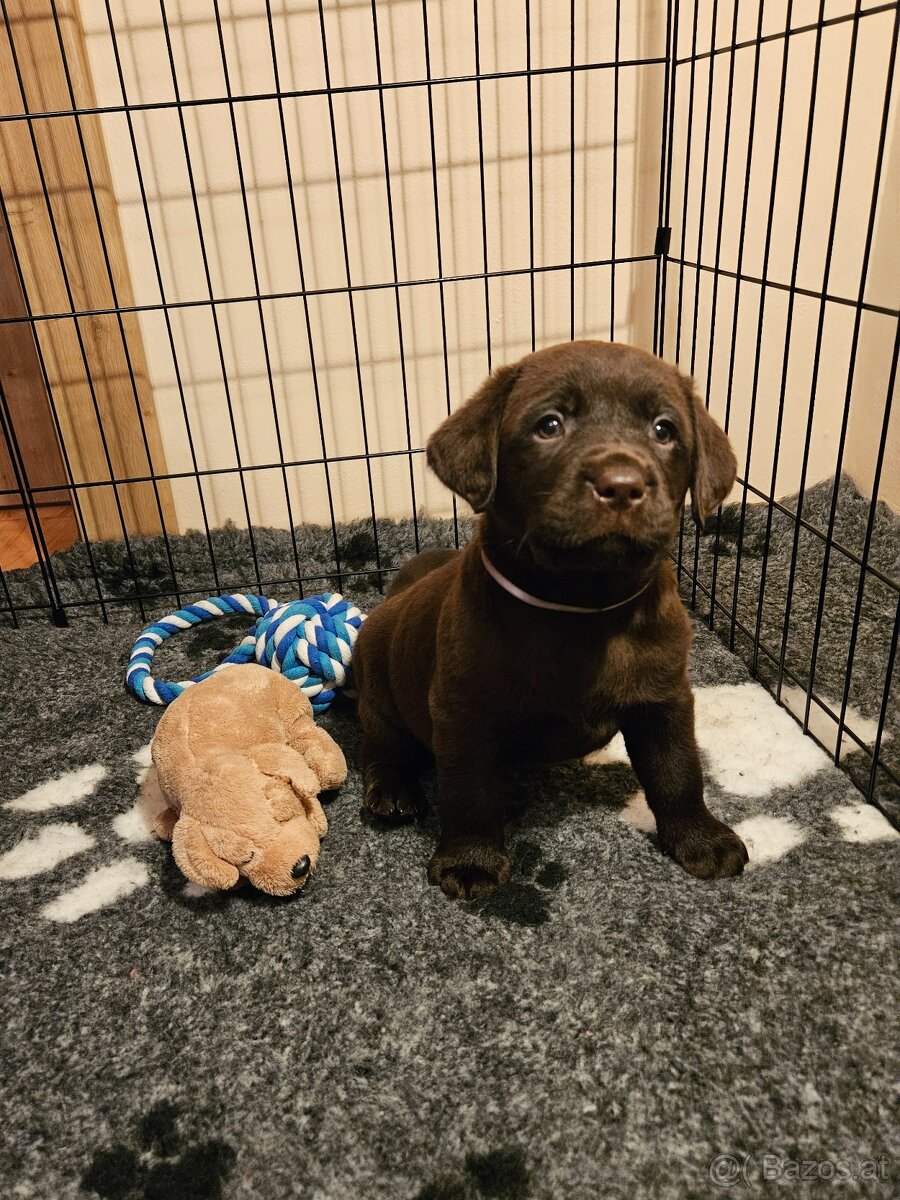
[663, 239]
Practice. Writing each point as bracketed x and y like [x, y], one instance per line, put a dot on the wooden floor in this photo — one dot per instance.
[16, 546]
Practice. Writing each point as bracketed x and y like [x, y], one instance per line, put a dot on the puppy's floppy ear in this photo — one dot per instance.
[714, 466]
[463, 451]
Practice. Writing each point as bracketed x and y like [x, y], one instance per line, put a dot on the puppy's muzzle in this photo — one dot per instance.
[619, 482]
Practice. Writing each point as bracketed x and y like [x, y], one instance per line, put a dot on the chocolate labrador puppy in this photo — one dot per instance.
[560, 622]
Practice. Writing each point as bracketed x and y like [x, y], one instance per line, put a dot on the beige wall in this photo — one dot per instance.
[199, 69]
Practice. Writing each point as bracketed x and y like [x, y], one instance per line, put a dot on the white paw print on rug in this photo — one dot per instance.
[54, 843]
[61, 792]
[752, 747]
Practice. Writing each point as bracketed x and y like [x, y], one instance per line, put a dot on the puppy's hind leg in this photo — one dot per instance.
[392, 760]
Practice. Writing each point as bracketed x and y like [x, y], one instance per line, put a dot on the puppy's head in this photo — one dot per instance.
[585, 452]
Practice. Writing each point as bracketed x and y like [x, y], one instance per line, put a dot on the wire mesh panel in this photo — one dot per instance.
[780, 295]
[333, 220]
[257, 250]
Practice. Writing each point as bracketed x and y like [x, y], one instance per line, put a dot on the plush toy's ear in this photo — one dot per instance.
[200, 861]
[294, 786]
[462, 451]
[231, 847]
[714, 466]
[282, 762]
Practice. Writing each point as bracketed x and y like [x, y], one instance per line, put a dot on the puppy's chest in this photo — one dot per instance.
[593, 677]
[568, 704]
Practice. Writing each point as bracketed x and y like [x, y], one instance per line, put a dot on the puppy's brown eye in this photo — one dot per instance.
[664, 431]
[550, 426]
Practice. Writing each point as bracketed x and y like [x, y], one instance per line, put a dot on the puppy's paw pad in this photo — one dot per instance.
[466, 883]
[468, 872]
[393, 798]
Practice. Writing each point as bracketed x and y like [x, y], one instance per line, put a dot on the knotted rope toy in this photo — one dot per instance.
[309, 641]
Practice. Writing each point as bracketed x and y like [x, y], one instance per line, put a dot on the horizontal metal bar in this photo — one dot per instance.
[241, 469]
[338, 90]
[788, 33]
[786, 287]
[307, 293]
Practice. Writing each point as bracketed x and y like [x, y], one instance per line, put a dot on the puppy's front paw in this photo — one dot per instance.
[392, 794]
[705, 847]
[468, 870]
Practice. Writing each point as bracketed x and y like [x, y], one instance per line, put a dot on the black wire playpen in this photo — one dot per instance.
[251, 252]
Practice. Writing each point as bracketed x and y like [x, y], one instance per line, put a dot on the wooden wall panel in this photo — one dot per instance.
[26, 396]
[64, 221]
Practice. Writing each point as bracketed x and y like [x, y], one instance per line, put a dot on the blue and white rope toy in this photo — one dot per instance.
[310, 641]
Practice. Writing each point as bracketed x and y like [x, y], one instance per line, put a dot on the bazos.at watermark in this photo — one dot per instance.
[747, 1170]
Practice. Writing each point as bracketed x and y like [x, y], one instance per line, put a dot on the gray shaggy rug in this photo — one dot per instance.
[605, 1026]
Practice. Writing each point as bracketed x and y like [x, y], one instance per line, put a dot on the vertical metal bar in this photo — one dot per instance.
[484, 237]
[310, 341]
[867, 546]
[701, 229]
[704, 179]
[162, 293]
[10, 607]
[665, 172]
[391, 228]
[720, 222]
[820, 329]
[29, 507]
[789, 320]
[882, 714]
[736, 306]
[349, 284]
[679, 311]
[528, 82]
[209, 289]
[679, 558]
[571, 171]
[757, 360]
[617, 50]
[437, 235]
[70, 296]
[851, 371]
[254, 269]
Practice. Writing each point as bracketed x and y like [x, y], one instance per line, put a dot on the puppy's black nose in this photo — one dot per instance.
[300, 868]
[617, 483]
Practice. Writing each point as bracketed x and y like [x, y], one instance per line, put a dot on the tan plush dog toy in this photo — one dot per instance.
[240, 763]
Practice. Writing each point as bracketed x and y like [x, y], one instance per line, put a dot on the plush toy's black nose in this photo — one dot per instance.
[300, 868]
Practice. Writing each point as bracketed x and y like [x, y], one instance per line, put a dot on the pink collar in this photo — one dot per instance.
[527, 598]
